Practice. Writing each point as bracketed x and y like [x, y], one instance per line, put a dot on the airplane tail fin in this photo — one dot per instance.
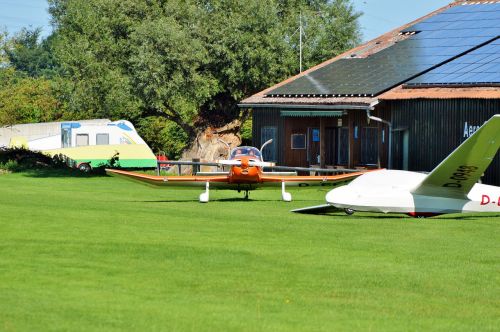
[455, 176]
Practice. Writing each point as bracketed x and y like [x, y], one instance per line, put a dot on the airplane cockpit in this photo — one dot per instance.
[247, 151]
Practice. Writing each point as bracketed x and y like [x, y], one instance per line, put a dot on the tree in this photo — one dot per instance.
[30, 55]
[26, 79]
[188, 61]
[25, 100]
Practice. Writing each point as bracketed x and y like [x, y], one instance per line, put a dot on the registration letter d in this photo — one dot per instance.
[485, 199]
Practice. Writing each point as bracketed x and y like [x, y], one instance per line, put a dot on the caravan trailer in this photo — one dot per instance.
[87, 143]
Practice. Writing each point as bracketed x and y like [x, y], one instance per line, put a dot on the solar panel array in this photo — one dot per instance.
[479, 67]
[460, 30]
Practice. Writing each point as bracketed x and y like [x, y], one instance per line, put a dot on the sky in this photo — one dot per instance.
[379, 16]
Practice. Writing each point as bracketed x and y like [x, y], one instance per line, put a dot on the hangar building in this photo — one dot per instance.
[404, 100]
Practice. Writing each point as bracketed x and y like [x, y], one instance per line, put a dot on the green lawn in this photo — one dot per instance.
[100, 253]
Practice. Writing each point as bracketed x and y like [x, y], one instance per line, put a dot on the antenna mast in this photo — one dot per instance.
[300, 42]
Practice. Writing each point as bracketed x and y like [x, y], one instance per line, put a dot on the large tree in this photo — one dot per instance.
[27, 72]
[30, 55]
[189, 61]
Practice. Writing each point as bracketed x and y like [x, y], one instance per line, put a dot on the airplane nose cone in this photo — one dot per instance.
[339, 195]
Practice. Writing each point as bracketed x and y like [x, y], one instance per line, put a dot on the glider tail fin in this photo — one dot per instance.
[455, 176]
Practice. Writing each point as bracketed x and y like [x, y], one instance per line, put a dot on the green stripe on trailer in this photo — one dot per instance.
[138, 163]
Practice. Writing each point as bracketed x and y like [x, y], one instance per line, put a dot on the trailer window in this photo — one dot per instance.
[102, 139]
[82, 139]
[66, 137]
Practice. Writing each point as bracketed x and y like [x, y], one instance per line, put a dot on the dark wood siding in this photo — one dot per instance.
[436, 128]
[345, 139]
[263, 117]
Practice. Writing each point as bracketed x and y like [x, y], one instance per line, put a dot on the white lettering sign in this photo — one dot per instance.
[470, 129]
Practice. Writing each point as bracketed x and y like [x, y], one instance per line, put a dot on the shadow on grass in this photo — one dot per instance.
[451, 217]
[467, 216]
[228, 200]
[364, 216]
[61, 172]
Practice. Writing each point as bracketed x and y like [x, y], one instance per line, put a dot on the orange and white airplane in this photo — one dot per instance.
[246, 173]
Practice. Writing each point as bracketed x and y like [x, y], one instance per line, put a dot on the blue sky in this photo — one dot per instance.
[379, 16]
[16, 14]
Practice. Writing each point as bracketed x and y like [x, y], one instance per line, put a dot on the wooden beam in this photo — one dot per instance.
[322, 142]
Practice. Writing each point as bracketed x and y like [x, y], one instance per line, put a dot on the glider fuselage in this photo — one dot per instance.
[391, 191]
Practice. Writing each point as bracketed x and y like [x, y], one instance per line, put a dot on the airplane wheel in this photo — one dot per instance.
[84, 167]
[348, 211]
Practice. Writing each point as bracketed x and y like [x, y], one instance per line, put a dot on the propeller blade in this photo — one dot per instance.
[229, 162]
[260, 163]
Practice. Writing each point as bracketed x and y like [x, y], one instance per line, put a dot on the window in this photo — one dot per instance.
[269, 152]
[369, 146]
[343, 146]
[66, 137]
[102, 139]
[298, 141]
[82, 139]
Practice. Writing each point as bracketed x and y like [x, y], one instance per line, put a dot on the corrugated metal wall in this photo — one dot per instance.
[262, 117]
[436, 128]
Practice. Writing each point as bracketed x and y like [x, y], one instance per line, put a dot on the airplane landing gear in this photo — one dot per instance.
[205, 195]
[287, 197]
[349, 211]
[246, 194]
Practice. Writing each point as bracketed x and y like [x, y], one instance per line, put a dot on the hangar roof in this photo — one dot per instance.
[456, 45]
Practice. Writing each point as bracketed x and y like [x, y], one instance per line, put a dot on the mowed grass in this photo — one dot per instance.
[101, 253]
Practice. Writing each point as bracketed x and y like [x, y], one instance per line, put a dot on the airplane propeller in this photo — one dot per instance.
[260, 163]
[229, 162]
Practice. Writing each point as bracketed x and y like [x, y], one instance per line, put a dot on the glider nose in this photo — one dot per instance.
[340, 195]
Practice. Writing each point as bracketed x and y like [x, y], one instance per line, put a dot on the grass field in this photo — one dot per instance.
[100, 253]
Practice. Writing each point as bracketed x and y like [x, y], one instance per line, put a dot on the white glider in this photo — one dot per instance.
[450, 188]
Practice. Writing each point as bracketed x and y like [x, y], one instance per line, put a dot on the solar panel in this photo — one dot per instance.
[454, 33]
[481, 66]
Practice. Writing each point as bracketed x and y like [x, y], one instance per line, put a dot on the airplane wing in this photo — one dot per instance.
[216, 181]
[455, 176]
[304, 181]
[316, 209]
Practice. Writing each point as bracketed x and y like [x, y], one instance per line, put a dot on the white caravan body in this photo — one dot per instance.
[84, 142]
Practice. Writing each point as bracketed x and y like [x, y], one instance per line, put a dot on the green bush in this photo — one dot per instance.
[163, 135]
[10, 165]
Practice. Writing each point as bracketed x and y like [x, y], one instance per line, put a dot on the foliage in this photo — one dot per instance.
[26, 99]
[101, 253]
[165, 136]
[20, 159]
[191, 61]
[29, 56]
[23, 160]
[28, 79]
[3, 41]
[246, 131]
